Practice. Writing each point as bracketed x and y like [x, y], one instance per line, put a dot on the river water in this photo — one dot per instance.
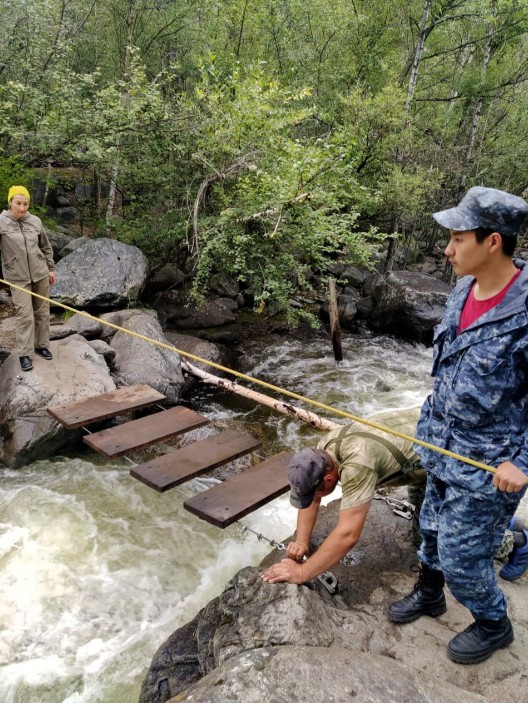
[97, 570]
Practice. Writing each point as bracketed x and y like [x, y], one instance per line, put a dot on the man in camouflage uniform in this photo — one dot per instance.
[479, 409]
[362, 459]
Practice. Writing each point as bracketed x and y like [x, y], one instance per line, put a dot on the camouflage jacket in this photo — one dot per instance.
[479, 404]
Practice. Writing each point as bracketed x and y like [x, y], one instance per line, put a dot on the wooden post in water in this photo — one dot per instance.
[335, 329]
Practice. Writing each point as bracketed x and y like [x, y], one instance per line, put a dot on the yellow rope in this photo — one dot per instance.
[270, 386]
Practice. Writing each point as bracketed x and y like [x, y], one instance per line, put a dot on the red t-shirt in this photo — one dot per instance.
[473, 308]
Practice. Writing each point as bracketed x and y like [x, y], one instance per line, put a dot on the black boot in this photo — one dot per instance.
[480, 640]
[426, 598]
[25, 363]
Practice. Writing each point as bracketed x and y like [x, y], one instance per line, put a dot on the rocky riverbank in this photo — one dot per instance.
[286, 643]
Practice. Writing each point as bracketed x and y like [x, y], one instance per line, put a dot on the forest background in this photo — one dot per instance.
[261, 140]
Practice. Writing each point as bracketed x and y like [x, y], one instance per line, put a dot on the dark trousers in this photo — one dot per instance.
[461, 532]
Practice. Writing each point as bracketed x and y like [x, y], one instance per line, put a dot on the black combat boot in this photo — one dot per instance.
[480, 640]
[426, 598]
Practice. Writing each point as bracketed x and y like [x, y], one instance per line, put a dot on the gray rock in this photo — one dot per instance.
[355, 276]
[62, 201]
[139, 361]
[83, 192]
[371, 283]
[225, 287]
[346, 308]
[365, 307]
[198, 347]
[120, 318]
[229, 303]
[104, 349]
[336, 269]
[73, 245]
[105, 273]
[61, 331]
[38, 191]
[27, 431]
[211, 314]
[409, 305]
[86, 326]
[58, 241]
[333, 675]
[68, 214]
[167, 277]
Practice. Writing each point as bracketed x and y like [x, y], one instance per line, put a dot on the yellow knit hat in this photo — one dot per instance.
[17, 190]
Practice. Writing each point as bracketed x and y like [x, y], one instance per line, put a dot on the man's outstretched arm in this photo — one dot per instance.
[340, 541]
[305, 523]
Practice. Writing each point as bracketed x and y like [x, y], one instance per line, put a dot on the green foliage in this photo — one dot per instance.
[265, 140]
[12, 172]
[281, 201]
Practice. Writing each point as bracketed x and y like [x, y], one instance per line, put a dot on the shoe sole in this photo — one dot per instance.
[28, 368]
[513, 578]
[436, 612]
[468, 659]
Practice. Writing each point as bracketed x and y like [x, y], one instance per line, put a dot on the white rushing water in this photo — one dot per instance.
[97, 570]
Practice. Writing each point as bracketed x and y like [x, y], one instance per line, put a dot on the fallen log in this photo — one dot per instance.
[285, 408]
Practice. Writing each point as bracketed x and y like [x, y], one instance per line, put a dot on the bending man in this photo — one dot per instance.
[363, 459]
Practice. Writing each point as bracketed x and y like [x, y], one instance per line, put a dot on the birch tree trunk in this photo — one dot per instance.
[477, 113]
[418, 55]
[311, 418]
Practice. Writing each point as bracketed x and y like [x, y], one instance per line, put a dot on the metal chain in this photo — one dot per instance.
[402, 508]
[326, 579]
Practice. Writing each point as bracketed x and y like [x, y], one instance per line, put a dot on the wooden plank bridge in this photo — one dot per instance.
[220, 505]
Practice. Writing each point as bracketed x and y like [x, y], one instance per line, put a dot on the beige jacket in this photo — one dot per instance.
[365, 463]
[27, 255]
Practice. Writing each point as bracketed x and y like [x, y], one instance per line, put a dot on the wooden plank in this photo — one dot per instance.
[105, 405]
[116, 441]
[170, 470]
[242, 494]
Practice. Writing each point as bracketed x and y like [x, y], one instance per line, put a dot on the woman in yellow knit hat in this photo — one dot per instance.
[27, 261]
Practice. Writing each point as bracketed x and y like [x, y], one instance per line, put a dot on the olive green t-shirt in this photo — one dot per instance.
[365, 463]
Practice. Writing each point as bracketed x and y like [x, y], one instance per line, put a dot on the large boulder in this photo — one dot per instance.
[27, 431]
[198, 347]
[104, 273]
[346, 309]
[212, 313]
[7, 331]
[140, 361]
[409, 305]
[336, 675]
[167, 277]
[58, 241]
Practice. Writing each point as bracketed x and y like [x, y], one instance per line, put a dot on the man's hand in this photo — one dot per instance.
[509, 478]
[297, 550]
[285, 570]
[52, 278]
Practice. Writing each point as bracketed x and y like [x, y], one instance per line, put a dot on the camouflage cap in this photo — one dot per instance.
[489, 208]
[305, 472]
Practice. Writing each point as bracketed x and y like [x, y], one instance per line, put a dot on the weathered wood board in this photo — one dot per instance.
[242, 494]
[170, 470]
[116, 441]
[105, 405]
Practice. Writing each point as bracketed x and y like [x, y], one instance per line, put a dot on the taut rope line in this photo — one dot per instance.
[270, 386]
